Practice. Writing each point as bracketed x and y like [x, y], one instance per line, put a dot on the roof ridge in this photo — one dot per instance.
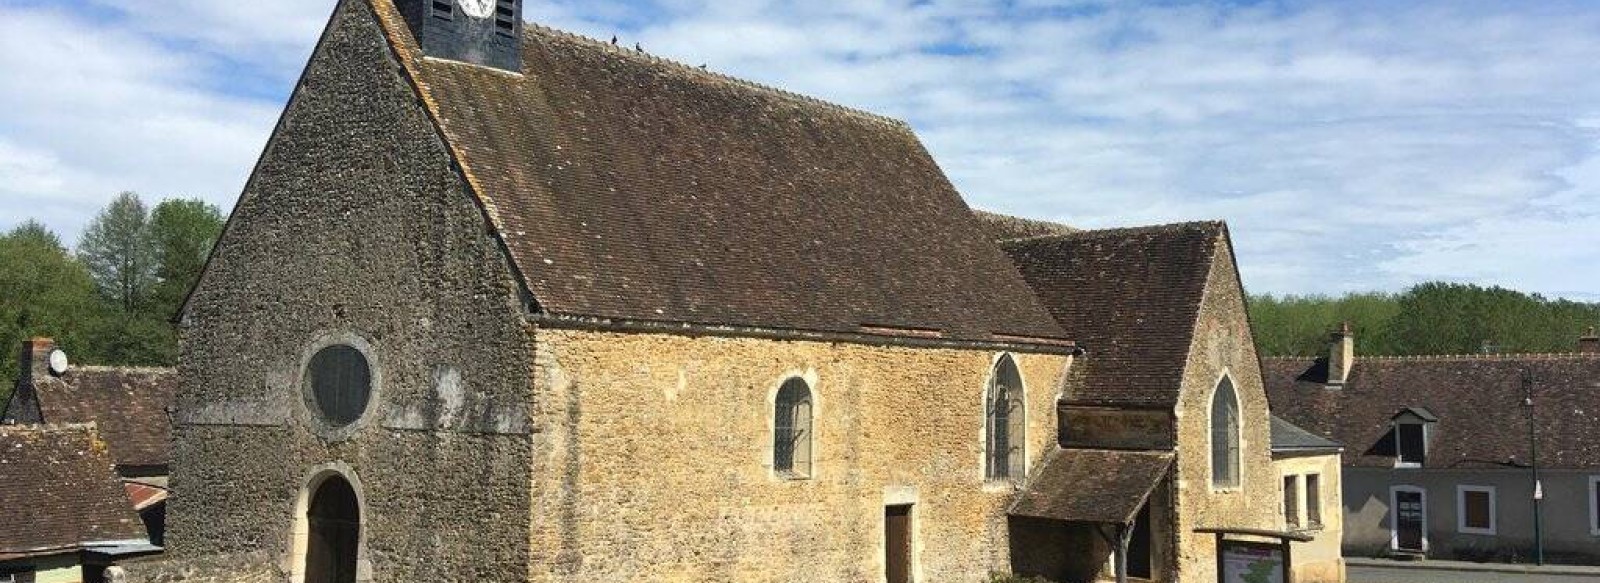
[1493, 356]
[535, 28]
[1090, 233]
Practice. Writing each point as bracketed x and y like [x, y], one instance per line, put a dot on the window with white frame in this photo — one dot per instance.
[1411, 443]
[1475, 509]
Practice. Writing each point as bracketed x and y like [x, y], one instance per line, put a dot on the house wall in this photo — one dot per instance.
[1321, 560]
[53, 569]
[1222, 344]
[654, 459]
[1566, 514]
[354, 226]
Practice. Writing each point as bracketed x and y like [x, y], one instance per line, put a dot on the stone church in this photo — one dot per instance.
[501, 303]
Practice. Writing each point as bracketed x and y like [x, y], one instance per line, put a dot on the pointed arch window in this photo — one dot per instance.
[1225, 436]
[791, 435]
[1004, 422]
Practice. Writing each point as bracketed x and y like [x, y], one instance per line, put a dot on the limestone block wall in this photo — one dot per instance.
[653, 461]
[355, 229]
[1222, 345]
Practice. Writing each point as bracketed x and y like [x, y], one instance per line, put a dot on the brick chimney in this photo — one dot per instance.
[36, 358]
[23, 406]
[1589, 343]
[1341, 355]
[481, 32]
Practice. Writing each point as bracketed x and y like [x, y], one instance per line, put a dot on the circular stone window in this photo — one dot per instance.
[341, 384]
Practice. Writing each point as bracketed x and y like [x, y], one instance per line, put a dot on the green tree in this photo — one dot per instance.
[44, 291]
[117, 249]
[1429, 318]
[182, 232]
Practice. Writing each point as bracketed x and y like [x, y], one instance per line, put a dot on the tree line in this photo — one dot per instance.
[1429, 318]
[111, 299]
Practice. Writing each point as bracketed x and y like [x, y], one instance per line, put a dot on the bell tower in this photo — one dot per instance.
[481, 32]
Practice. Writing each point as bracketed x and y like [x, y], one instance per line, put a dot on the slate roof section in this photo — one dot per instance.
[630, 188]
[1006, 227]
[58, 492]
[1130, 298]
[1290, 439]
[129, 405]
[1092, 485]
[1477, 399]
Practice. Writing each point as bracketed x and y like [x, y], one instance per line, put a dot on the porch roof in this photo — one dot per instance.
[1092, 485]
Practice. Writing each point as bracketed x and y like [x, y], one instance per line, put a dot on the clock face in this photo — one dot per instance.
[477, 8]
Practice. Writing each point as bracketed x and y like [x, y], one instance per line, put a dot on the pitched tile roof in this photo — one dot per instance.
[1477, 399]
[1129, 297]
[58, 491]
[128, 404]
[1092, 485]
[1005, 227]
[628, 187]
[1288, 438]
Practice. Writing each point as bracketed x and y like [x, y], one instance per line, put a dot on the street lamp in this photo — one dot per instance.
[1533, 446]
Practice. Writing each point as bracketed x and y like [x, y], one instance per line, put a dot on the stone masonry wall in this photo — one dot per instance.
[355, 226]
[1222, 344]
[653, 463]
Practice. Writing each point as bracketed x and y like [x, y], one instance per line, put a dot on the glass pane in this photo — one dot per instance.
[1314, 500]
[1475, 507]
[341, 383]
[1411, 443]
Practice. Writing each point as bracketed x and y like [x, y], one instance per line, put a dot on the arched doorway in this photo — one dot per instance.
[334, 518]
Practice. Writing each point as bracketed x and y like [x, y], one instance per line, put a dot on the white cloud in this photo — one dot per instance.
[1350, 145]
[94, 109]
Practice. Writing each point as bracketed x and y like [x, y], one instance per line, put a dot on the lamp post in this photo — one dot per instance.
[1533, 446]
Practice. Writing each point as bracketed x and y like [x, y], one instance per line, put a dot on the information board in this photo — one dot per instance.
[1246, 562]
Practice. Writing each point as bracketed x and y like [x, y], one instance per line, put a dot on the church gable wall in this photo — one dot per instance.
[355, 229]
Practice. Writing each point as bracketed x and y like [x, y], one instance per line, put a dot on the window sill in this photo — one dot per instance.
[791, 476]
[1478, 531]
[996, 486]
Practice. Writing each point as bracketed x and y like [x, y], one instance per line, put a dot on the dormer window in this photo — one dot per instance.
[442, 9]
[1412, 427]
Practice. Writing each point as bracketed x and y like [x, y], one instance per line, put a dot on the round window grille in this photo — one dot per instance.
[341, 384]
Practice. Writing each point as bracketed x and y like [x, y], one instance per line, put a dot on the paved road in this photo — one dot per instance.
[1366, 574]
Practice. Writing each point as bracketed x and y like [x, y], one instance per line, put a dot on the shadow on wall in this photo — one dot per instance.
[1043, 548]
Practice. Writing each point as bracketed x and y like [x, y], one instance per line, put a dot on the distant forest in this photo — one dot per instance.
[1430, 318]
[111, 298]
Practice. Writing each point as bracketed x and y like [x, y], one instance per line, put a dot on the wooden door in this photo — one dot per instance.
[897, 543]
[1410, 520]
[335, 521]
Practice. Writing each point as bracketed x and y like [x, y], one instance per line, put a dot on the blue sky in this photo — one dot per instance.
[1350, 145]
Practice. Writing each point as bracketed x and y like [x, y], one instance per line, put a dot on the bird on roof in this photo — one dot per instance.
[638, 47]
[613, 40]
